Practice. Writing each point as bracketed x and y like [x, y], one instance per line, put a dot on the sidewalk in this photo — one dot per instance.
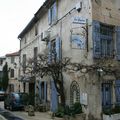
[38, 115]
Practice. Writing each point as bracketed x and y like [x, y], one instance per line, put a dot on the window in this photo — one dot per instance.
[25, 40]
[103, 40]
[106, 95]
[24, 63]
[55, 50]
[106, 36]
[35, 52]
[36, 30]
[12, 73]
[12, 59]
[1, 62]
[35, 56]
[52, 14]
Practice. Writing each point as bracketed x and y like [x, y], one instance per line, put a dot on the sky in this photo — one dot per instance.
[14, 16]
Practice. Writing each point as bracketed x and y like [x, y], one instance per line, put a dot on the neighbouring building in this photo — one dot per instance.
[14, 84]
[87, 31]
[2, 63]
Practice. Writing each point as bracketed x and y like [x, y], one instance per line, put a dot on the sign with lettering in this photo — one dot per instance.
[78, 41]
[79, 20]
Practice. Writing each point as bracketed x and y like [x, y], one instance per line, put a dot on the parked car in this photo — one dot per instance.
[2, 95]
[15, 100]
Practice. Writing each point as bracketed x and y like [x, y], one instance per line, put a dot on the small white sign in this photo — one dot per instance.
[79, 20]
[83, 99]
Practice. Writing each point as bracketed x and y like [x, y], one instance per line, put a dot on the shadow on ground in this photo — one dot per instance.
[8, 115]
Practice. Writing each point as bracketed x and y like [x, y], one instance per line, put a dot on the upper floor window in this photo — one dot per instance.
[1, 62]
[12, 73]
[12, 59]
[25, 40]
[52, 14]
[54, 50]
[35, 56]
[35, 52]
[36, 30]
[106, 37]
[24, 63]
[103, 39]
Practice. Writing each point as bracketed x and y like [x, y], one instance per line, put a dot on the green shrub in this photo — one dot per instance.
[60, 112]
[114, 110]
[77, 108]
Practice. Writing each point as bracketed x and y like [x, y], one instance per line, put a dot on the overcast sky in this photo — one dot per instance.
[14, 16]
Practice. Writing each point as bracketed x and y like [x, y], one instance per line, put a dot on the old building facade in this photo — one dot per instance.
[14, 84]
[85, 31]
[2, 63]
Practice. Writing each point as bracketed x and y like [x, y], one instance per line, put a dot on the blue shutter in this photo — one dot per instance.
[45, 91]
[40, 89]
[117, 91]
[118, 42]
[55, 11]
[106, 95]
[49, 17]
[54, 97]
[49, 52]
[96, 39]
[58, 49]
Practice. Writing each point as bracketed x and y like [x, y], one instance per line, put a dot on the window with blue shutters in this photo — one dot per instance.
[58, 49]
[55, 50]
[52, 14]
[117, 92]
[118, 41]
[106, 95]
[49, 52]
[103, 40]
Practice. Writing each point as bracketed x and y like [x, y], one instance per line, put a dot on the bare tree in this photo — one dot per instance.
[41, 67]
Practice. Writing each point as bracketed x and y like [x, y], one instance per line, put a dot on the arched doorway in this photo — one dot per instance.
[74, 93]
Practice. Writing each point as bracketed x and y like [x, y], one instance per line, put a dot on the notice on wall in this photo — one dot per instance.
[84, 99]
[78, 20]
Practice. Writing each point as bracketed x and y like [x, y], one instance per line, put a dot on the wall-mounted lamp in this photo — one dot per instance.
[78, 6]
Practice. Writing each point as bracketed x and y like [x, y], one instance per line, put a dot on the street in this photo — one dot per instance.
[21, 115]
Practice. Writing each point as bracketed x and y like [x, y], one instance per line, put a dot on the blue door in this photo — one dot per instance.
[117, 91]
[54, 97]
[106, 95]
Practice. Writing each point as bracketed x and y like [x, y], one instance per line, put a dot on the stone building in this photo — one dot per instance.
[85, 31]
[2, 63]
[14, 84]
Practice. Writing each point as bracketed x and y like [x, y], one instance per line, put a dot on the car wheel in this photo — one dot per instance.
[11, 108]
[5, 106]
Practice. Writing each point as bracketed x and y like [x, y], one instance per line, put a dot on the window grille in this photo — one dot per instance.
[106, 38]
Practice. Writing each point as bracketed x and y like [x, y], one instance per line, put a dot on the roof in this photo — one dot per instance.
[36, 17]
[2, 57]
[13, 54]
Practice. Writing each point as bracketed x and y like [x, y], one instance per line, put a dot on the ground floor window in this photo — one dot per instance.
[74, 93]
[110, 94]
[107, 94]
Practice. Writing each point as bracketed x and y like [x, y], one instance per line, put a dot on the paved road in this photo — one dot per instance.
[22, 115]
[7, 115]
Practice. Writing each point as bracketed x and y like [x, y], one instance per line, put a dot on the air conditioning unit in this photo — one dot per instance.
[45, 36]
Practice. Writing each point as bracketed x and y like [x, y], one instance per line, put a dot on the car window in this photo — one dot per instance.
[23, 96]
[16, 96]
